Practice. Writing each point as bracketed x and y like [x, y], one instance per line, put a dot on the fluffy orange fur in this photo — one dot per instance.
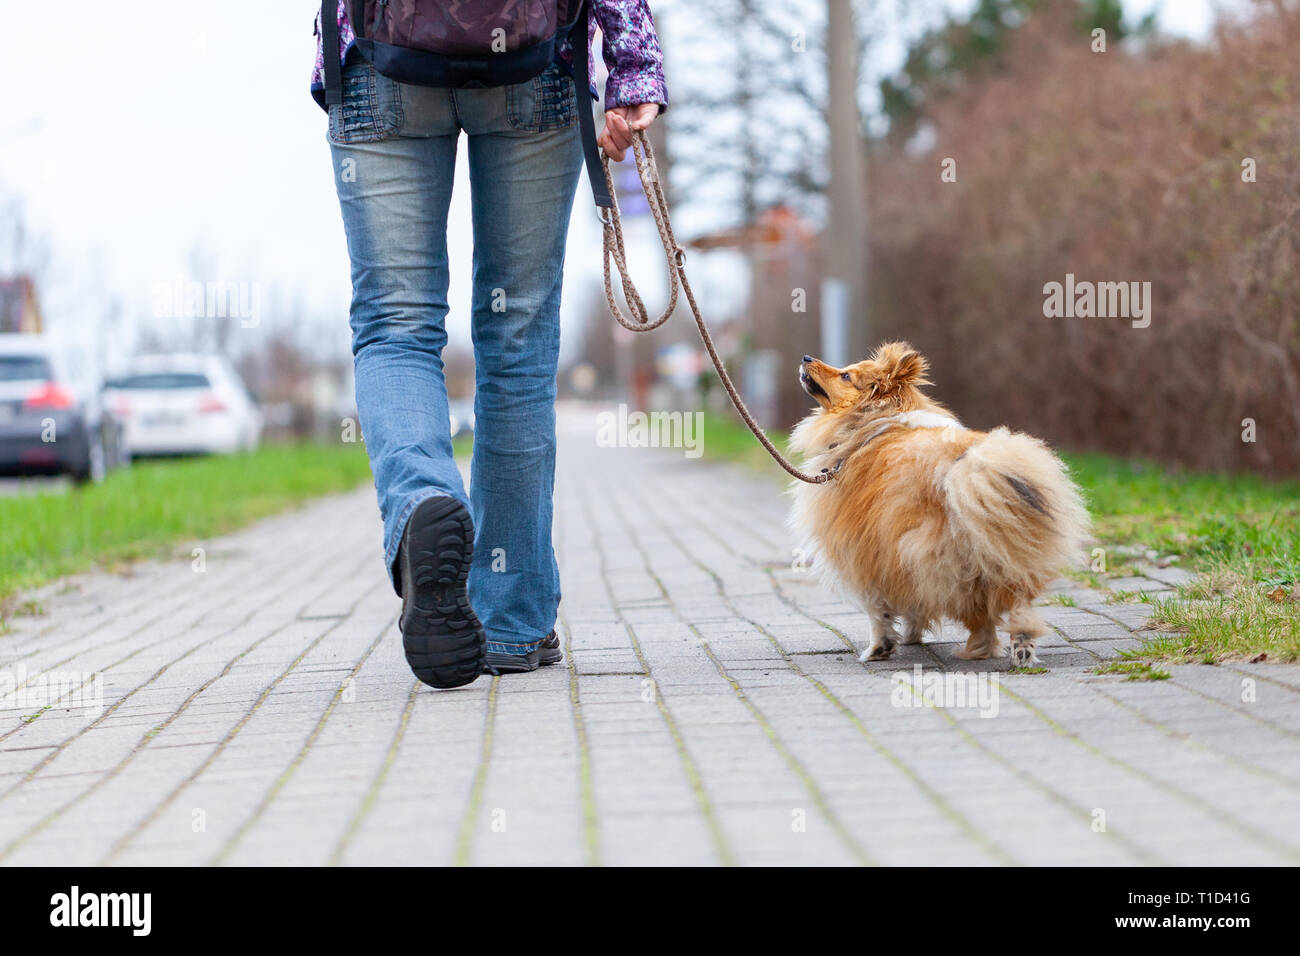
[925, 519]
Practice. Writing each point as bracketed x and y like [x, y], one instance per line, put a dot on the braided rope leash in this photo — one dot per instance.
[639, 320]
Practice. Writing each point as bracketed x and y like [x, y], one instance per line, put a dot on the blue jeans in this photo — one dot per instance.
[394, 150]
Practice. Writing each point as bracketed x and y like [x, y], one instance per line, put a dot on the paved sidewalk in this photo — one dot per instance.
[711, 710]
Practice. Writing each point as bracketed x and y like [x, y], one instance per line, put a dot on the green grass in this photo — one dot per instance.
[151, 508]
[725, 437]
[1239, 533]
[1205, 518]
[1132, 670]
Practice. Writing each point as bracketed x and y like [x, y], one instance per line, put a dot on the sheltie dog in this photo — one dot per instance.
[924, 519]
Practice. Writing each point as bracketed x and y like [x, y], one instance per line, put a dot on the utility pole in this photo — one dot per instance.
[846, 327]
[745, 83]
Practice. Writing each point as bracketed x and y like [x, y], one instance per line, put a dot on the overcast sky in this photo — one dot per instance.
[169, 130]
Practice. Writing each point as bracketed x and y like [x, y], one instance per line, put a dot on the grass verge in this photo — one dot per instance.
[144, 511]
[1240, 535]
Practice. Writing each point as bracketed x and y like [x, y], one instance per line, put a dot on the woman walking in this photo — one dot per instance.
[476, 572]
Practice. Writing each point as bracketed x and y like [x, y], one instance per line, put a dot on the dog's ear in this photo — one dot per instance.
[900, 365]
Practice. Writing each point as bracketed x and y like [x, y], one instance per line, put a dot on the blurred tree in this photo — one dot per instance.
[747, 122]
[304, 385]
[20, 250]
[960, 47]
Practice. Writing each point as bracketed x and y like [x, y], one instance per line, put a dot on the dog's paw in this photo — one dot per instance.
[878, 652]
[912, 636]
[982, 652]
[1022, 651]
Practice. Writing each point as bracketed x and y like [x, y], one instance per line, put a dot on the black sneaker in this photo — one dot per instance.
[543, 655]
[442, 636]
[548, 652]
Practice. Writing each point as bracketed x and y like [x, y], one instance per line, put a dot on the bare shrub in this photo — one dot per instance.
[1116, 166]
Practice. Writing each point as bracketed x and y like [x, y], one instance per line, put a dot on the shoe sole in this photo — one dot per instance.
[444, 641]
[512, 663]
[499, 663]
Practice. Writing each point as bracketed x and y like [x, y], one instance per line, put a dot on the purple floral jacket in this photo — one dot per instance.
[631, 50]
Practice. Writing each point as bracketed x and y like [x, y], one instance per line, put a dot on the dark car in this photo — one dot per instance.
[52, 420]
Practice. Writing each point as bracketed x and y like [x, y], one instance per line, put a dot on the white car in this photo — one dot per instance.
[184, 405]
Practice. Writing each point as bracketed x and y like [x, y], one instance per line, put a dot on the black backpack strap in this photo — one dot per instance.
[586, 121]
[329, 31]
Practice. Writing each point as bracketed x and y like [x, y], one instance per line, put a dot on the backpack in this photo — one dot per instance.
[468, 44]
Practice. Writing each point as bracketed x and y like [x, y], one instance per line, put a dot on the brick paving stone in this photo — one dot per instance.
[711, 709]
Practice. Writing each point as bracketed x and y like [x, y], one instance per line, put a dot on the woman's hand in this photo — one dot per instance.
[620, 123]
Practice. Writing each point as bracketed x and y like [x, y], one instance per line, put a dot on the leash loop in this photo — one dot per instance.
[638, 319]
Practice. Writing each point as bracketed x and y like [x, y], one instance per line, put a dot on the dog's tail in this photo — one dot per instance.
[1013, 505]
